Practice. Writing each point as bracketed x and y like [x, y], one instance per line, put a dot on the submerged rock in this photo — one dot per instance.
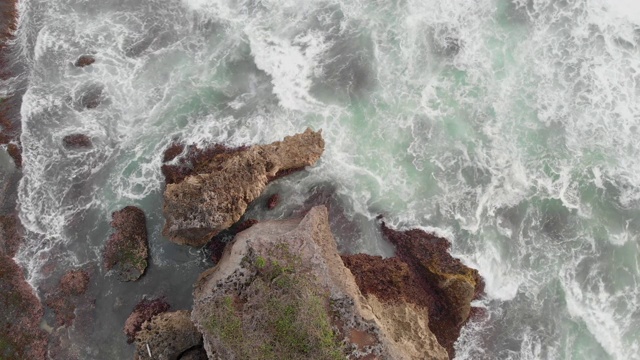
[15, 152]
[281, 289]
[217, 193]
[84, 60]
[143, 311]
[21, 312]
[76, 141]
[126, 251]
[167, 336]
[63, 300]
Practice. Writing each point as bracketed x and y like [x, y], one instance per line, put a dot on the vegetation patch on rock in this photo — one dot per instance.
[289, 315]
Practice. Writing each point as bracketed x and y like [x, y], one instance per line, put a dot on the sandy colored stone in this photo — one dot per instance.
[204, 204]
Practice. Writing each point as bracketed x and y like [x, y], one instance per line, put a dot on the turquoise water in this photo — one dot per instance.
[508, 126]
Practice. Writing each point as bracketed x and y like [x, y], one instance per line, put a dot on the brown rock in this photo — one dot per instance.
[195, 161]
[84, 60]
[127, 251]
[167, 336]
[218, 193]
[76, 141]
[143, 311]
[20, 333]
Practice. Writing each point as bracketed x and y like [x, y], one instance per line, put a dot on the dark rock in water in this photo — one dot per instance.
[450, 284]
[63, 301]
[76, 141]
[127, 250]
[84, 60]
[215, 194]
[20, 315]
[143, 311]
[273, 201]
[216, 246]
[16, 154]
[167, 336]
[10, 234]
[172, 152]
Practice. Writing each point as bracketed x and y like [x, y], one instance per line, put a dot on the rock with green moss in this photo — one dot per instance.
[126, 252]
[281, 291]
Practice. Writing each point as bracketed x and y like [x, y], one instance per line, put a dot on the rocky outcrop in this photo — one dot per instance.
[20, 333]
[76, 141]
[63, 300]
[167, 336]
[126, 251]
[143, 311]
[282, 283]
[218, 192]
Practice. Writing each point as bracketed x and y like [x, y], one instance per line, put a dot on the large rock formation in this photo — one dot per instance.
[213, 198]
[282, 290]
[127, 251]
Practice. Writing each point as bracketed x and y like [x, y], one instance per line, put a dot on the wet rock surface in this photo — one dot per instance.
[64, 299]
[167, 336]
[143, 311]
[126, 252]
[209, 197]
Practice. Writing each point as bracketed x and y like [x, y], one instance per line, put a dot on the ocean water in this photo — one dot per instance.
[510, 126]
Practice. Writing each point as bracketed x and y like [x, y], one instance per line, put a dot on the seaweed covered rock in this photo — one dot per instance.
[282, 291]
[216, 193]
[127, 250]
[447, 285]
[64, 299]
[167, 336]
[143, 311]
[20, 333]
